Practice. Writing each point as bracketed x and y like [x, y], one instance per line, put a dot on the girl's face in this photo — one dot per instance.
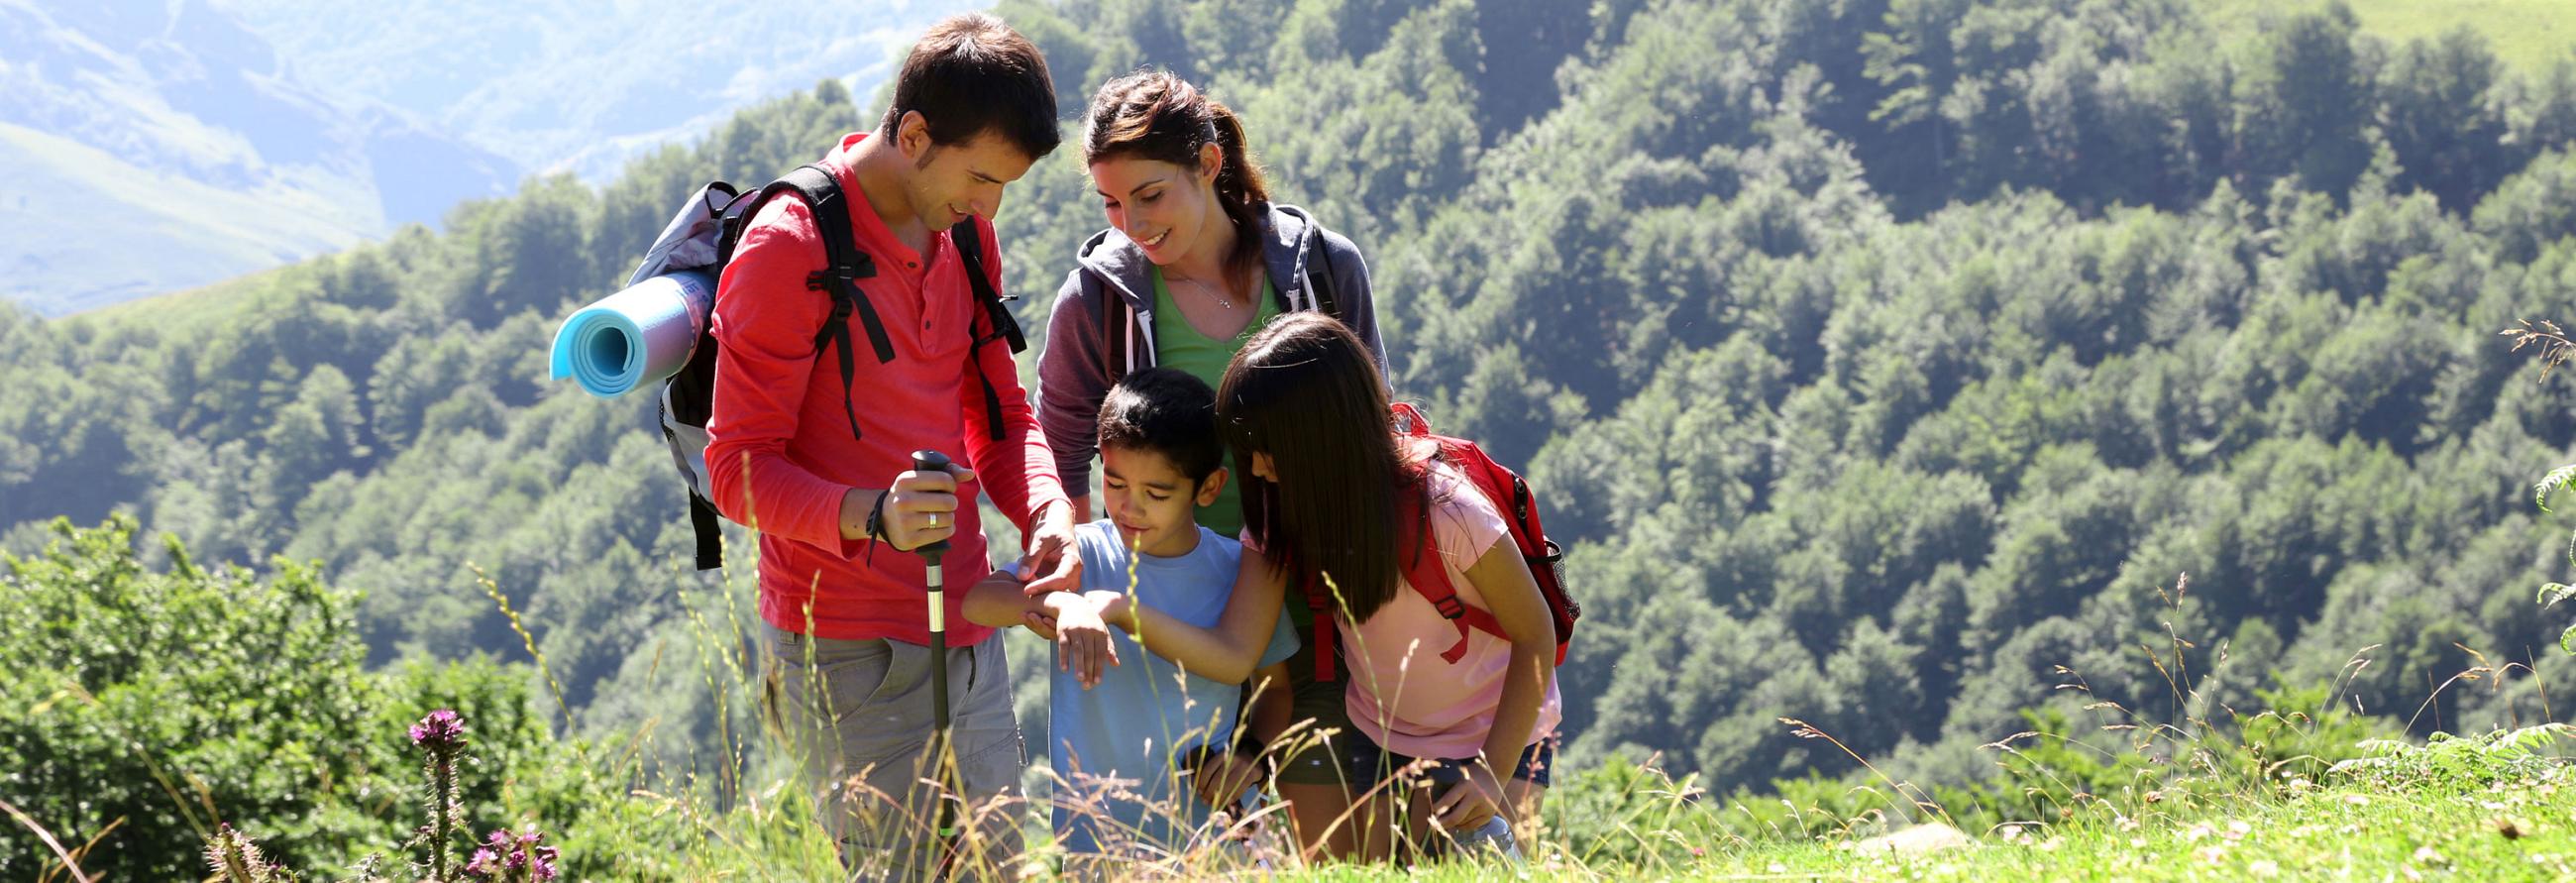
[1153, 504]
[1163, 207]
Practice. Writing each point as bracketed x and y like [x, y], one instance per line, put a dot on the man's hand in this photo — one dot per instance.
[1053, 562]
[1082, 641]
[920, 509]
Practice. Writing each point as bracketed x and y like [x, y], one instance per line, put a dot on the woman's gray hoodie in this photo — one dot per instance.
[1102, 325]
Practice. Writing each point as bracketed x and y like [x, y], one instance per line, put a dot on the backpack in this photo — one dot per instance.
[1511, 496]
[702, 238]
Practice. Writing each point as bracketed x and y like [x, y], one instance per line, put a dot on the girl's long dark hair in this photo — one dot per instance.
[1159, 116]
[1305, 392]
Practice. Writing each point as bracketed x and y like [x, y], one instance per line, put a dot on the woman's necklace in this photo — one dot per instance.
[1211, 293]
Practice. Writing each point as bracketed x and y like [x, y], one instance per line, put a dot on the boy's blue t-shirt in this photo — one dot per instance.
[1141, 720]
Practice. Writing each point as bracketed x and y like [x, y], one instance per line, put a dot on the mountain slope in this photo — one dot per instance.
[585, 86]
[166, 146]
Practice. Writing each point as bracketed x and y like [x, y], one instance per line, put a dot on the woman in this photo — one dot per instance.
[1195, 261]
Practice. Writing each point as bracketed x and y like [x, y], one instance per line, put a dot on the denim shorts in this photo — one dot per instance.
[1444, 772]
[1344, 758]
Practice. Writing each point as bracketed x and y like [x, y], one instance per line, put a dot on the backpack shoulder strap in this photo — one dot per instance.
[1430, 579]
[969, 241]
[1114, 318]
[844, 265]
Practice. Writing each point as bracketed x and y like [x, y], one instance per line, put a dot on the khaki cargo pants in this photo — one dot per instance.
[857, 715]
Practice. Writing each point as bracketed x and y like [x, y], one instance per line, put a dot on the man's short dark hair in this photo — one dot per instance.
[971, 74]
[1168, 412]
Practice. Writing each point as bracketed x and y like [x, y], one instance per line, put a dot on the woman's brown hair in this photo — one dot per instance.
[1156, 115]
[1305, 392]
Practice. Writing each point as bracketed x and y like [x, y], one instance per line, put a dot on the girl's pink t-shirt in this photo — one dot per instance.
[1401, 693]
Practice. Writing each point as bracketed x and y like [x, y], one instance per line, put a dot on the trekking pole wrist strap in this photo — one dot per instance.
[876, 516]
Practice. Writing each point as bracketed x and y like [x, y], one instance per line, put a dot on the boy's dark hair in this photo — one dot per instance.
[1168, 412]
[971, 74]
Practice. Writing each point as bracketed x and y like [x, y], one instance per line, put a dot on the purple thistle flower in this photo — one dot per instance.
[484, 865]
[545, 862]
[441, 731]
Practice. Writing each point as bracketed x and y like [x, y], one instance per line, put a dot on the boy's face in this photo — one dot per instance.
[948, 183]
[1153, 504]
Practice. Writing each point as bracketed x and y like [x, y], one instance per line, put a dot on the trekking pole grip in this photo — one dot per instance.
[931, 461]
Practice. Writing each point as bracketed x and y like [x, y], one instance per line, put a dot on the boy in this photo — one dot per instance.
[1123, 723]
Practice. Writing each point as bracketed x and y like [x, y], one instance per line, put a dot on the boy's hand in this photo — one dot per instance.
[1222, 776]
[1082, 640]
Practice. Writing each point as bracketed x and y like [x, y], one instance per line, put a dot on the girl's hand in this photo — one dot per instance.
[1469, 803]
[1114, 608]
[1082, 640]
[1222, 776]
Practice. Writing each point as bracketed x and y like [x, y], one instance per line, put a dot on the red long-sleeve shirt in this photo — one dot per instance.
[780, 448]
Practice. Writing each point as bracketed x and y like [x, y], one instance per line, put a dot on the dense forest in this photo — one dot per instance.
[1885, 363]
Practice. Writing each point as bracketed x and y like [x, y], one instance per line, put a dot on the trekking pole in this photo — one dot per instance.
[934, 461]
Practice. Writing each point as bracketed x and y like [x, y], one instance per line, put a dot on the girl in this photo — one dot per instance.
[1335, 500]
[1196, 259]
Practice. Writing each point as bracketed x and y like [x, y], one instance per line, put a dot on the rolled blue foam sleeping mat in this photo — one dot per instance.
[634, 337]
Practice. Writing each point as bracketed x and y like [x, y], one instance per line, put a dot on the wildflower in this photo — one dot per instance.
[441, 731]
[441, 736]
[511, 857]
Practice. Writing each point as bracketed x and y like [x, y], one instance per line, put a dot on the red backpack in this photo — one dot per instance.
[1511, 496]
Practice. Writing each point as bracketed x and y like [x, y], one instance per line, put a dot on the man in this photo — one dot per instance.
[824, 472]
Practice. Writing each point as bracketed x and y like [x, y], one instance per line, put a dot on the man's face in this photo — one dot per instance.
[953, 181]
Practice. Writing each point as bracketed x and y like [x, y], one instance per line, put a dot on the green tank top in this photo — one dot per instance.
[1177, 345]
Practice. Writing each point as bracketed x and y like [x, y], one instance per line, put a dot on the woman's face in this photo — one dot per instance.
[1164, 207]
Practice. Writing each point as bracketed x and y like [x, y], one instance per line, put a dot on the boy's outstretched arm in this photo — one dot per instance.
[1071, 621]
[999, 601]
[1226, 653]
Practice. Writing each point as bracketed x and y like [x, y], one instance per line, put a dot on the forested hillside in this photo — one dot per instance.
[1877, 358]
